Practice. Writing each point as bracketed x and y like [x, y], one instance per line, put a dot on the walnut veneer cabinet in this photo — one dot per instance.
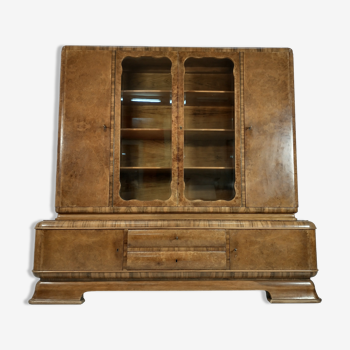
[176, 171]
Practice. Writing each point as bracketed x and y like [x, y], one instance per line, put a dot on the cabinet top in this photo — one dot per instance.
[174, 48]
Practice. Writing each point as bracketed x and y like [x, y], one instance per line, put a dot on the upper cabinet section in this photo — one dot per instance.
[176, 130]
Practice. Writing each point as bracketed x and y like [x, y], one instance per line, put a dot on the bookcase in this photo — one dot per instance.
[176, 170]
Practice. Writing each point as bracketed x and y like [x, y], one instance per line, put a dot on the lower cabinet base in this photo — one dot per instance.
[277, 291]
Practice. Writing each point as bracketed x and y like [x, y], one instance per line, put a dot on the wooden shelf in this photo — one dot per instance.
[147, 97]
[210, 91]
[213, 98]
[145, 134]
[210, 130]
[208, 70]
[208, 168]
[143, 168]
[209, 134]
[145, 91]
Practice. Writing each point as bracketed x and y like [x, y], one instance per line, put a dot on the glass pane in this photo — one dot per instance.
[145, 150]
[209, 152]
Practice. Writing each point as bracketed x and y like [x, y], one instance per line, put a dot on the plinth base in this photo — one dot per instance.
[277, 291]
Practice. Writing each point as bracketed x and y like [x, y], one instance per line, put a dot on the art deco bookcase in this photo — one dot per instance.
[176, 171]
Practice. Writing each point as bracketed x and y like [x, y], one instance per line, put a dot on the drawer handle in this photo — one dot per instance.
[177, 237]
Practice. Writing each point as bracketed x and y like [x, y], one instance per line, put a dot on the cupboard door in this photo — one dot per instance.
[79, 250]
[209, 118]
[145, 167]
[270, 168]
[84, 142]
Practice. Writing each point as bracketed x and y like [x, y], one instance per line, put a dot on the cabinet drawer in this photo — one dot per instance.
[176, 238]
[177, 260]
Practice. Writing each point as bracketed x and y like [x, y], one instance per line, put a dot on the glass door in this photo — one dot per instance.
[145, 152]
[209, 129]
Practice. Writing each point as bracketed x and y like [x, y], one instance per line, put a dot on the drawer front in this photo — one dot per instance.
[176, 238]
[79, 250]
[177, 260]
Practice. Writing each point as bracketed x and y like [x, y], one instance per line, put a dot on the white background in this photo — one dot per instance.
[32, 34]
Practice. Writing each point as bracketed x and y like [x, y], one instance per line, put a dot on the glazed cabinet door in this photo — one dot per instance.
[209, 129]
[270, 163]
[84, 138]
[145, 140]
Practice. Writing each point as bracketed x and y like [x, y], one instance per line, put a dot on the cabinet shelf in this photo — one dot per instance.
[145, 134]
[209, 130]
[143, 168]
[222, 135]
[207, 168]
[213, 98]
[147, 91]
[146, 97]
[210, 91]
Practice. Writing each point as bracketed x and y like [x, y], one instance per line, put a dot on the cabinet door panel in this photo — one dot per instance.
[269, 147]
[272, 250]
[79, 250]
[84, 142]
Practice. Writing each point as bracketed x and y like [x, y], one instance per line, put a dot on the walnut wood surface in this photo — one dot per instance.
[176, 238]
[177, 260]
[207, 117]
[272, 249]
[84, 150]
[87, 250]
[278, 291]
[177, 223]
[173, 275]
[172, 216]
[269, 150]
[140, 186]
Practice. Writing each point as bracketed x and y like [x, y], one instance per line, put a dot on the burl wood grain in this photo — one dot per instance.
[76, 250]
[113, 234]
[176, 238]
[177, 260]
[272, 249]
[84, 143]
[269, 152]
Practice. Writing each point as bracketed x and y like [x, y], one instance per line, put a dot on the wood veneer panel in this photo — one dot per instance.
[160, 223]
[81, 250]
[269, 152]
[177, 260]
[176, 238]
[84, 143]
[272, 249]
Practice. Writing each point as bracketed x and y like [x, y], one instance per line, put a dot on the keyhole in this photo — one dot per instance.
[176, 260]
[117, 250]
